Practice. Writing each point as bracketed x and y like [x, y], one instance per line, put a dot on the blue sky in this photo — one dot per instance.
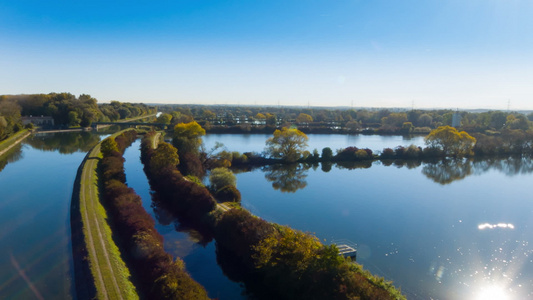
[453, 54]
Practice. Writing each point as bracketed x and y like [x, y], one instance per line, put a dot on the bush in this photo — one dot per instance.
[387, 153]
[221, 177]
[229, 193]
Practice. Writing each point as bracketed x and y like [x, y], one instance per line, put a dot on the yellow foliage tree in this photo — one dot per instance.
[451, 141]
[187, 136]
[287, 143]
[164, 156]
[304, 118]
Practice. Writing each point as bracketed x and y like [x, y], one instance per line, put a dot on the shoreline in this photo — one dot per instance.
[14, 143]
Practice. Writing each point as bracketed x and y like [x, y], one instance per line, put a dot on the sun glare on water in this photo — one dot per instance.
[492, 293]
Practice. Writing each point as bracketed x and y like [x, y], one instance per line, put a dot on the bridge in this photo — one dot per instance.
[97, 125]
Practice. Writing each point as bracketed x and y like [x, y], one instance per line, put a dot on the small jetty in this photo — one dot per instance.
[346, 248]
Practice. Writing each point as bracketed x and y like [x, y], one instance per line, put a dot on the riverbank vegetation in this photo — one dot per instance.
[274, 262]
[442, 143]
[65, 109]
[13, 139]
[157, 274]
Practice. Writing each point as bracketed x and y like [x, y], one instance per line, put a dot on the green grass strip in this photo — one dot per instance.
[111, 276]
[13, 140]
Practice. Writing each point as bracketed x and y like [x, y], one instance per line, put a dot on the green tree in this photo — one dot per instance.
[73, 119]
[221, 177]
[3, 128]
[164, 119]
[287, 143]
[425, 120]
[407, 127]
[327, 153]
[394, 120]
[450, 141]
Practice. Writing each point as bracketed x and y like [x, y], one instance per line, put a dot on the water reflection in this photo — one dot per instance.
[287, 178]
[64, 143]
[291, 178]
[447, 171]
[492, 226]
[12, 155]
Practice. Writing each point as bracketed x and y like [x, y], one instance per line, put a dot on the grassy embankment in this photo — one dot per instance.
[109, 272]
[13, 140]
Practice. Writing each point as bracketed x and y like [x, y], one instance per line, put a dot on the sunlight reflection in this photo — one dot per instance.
[492, 226]
[492, 293]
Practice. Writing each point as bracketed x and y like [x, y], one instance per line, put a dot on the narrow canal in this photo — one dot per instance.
[36, 184]
[199, 257]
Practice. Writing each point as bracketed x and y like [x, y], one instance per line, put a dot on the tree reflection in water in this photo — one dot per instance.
[64, 142]
[10, 156]
[448, 171]
[290, 178]
[287, 178]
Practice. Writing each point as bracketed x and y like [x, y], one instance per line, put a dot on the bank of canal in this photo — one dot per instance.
[199, 257]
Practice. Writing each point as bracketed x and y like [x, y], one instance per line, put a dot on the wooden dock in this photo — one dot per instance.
[347, 251]
[346, 248]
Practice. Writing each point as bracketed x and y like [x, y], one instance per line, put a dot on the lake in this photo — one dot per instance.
[256, 142]
[435, 238]
[455, 230]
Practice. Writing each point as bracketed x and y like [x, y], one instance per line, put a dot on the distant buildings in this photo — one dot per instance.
[44, 121]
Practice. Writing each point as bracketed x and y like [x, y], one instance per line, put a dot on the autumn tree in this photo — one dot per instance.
[287, 144]
[187, 137]
[271, 119]
[450, 141]
[163, 157]
[304, 118]
[108, 147]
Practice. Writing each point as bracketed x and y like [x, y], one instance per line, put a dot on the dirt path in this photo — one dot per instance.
[91, 203]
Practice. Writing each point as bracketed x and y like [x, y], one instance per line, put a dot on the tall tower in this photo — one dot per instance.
[456, 119]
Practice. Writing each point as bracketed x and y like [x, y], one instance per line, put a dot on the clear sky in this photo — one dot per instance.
[371, 53]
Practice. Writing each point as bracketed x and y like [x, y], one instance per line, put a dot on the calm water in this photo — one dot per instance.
[200, 260]
[455, 230]
[256, 142]
[426, 229]
[36, 185]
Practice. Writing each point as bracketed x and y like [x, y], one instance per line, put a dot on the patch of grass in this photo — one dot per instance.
[12, 139]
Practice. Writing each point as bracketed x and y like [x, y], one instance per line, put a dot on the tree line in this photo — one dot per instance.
[238, 119]
[66, 109]
[156, 274]
[289, 145]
